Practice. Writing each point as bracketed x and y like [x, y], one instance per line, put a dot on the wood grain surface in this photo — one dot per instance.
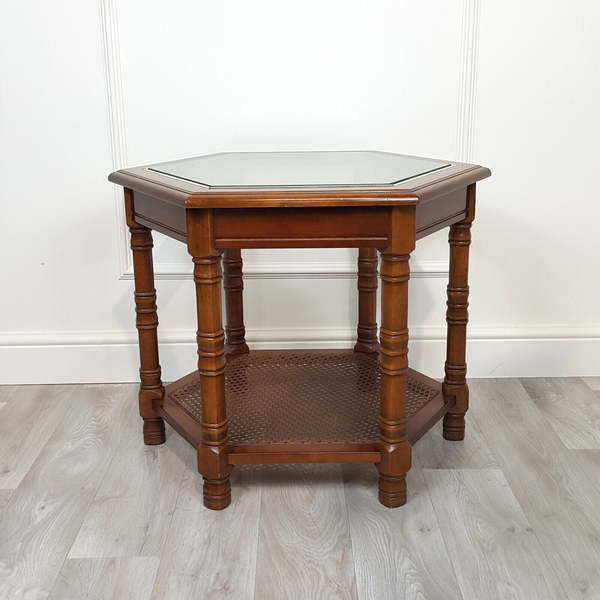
[38, 410]
[7, 391]
[507, 513]
[132, 510]
[494, 550]
[5, 497]
[593, 383]
[589, 461]
[559, 501]
[44, 514]
[434, 452]
[571, 408]
[105, 579]
[211, 554]
[305, 524]
[397, 553]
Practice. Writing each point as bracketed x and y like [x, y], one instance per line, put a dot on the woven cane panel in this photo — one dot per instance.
[302, 398]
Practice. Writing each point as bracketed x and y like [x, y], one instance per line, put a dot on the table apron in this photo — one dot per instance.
[339, 227]
[302, 227]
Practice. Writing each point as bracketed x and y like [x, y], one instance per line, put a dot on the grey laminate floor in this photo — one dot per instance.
[88, 512]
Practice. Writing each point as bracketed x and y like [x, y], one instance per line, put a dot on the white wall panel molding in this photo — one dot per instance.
[116, 118]
[515, 104]
[296, 270]
[468, 80]
[270, 270]
[112, 356]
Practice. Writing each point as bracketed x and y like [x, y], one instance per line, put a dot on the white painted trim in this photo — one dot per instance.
[116, 119]
[296, 270]
[111, 357]
[291, 337]
[180, 271]
[468, 80]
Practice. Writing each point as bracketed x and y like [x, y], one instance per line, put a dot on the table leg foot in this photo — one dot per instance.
[392, 490]
[454, 427]
[217, 493]
[154, 431]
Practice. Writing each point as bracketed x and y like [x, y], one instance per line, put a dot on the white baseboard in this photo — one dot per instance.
[110, 357]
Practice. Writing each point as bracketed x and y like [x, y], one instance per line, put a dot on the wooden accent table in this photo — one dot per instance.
[361, 405]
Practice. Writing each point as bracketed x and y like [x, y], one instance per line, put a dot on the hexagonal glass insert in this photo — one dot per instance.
[299, 169]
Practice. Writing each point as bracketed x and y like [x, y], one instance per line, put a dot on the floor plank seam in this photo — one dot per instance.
[545, 417]
[352, 541]
[110, 462]
[260, 516]
[535, 533]
[594, 483]
[166, 536]
[537, 537]
[89, 504]
[52, 430]
[170, 520]
[437, 518]
[59, 571]
[579, 411]
[544, 546]
[101, 479]
[554, 488]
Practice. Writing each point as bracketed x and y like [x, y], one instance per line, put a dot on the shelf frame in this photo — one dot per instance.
[289, 453]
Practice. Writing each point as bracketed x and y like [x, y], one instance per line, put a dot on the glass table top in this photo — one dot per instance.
[299, 169]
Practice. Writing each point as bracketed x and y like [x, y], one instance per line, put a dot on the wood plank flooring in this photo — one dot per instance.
[513, 512]
[571, 408]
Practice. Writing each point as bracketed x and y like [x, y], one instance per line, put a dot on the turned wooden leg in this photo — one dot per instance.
[233, 284]
[213, 451]
[393, 359]
[366, 340]
[393, 365]
[214, 448]
[457, 317]
[151, 387]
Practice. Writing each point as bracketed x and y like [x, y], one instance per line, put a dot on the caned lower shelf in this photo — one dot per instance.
[302, 406]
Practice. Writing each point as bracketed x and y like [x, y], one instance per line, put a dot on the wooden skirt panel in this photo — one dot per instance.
[164, 217]
[299, 227]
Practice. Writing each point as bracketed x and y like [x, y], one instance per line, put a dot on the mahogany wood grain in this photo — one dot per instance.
[233, 284]
[416, 191]
[322, 227]
[440, 212]
[181, 421]
[169, 219]
[214, 448]
[190, 430]
[418, 424]
[366, 340]
[389, 218]
[457, 317]
[159, 215]
[431, 217]
[151, 387]
[303, 453]
[393, 359]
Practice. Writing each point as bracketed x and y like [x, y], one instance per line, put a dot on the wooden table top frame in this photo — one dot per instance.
[384, 219]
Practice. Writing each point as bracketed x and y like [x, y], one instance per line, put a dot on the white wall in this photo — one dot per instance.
[87, 88]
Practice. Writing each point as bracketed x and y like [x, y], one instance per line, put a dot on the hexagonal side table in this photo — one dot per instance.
[361, 405]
